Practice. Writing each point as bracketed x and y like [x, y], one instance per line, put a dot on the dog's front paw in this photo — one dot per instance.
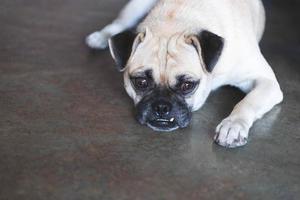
[97, 40]
[232, 133]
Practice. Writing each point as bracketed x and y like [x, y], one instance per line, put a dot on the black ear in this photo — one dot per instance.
[211, 48]
[121, 47]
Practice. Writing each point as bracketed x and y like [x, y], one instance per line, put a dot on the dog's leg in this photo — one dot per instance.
[129, 17]
[264, 94]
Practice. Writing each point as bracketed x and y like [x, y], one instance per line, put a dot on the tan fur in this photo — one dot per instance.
[169, 26]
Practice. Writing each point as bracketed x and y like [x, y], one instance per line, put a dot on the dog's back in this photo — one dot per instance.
[227, 18]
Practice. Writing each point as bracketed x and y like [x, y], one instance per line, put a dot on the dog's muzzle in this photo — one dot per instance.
[163, 111]
[163, 118]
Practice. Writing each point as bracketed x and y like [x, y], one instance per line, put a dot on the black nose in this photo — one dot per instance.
[161, 108]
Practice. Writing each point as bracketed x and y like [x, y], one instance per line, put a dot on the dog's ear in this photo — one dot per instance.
[210, 47]
[122, 46]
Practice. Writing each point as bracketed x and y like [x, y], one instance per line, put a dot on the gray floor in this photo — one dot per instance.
[67, 129]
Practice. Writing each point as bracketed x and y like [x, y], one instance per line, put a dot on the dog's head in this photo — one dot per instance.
[167, 77]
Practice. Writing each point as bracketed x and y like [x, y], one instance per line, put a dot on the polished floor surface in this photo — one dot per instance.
[67, 129]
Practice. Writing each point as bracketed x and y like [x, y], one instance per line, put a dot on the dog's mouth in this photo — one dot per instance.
[162, 124]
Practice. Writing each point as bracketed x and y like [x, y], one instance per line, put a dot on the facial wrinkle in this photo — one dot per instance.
[162, 54]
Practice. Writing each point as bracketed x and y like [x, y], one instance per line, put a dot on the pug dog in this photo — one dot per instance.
[181, 50]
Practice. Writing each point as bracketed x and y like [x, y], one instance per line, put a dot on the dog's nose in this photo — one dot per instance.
[162, 108]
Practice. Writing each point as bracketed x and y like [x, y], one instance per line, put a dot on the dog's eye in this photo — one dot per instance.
[140, 83]
[187, 87]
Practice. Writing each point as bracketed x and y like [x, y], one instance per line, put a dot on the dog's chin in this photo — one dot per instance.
[162, 126]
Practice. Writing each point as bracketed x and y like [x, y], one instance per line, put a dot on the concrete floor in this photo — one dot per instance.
[67, 129]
